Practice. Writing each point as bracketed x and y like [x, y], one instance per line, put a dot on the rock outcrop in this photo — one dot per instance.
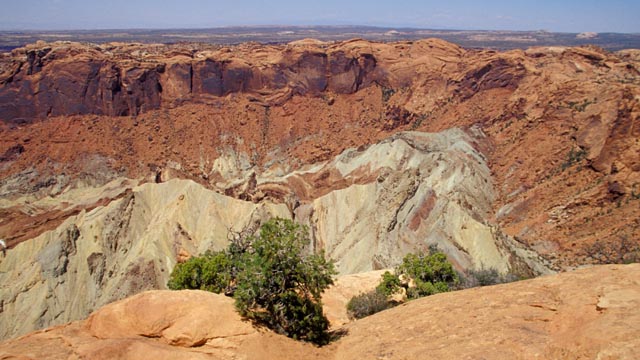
[586, 314]
[117, 250]
[162, 325]
[366, 209]
[66, 79]
[551, 317]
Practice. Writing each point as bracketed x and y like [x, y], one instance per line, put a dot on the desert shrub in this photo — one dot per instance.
[580, 106]
[419, 274]
[211, 272]
[618, 251]
[431, 272]
[486, 277]
[280, 287]
[387, 93]
[366, 304]
[271, 279]
[574, 157]
[389, 285]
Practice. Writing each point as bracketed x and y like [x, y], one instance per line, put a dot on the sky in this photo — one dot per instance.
[552, 15]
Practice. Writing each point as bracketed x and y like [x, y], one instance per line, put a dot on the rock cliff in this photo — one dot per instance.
[66, 79]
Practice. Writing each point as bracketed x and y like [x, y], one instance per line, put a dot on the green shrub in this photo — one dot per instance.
[270, 278]
[574, 157]
[367, 304]
[387, 93]
[419, 274]
[432, 273]
[389, 285]
[211, 272]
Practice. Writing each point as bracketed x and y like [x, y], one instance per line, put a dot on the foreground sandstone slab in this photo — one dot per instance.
[587, 314]
[159, 325]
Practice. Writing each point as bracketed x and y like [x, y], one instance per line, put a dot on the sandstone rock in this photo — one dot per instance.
[426, 191]
[289, 106]
[84, 81]
[182, 319]
[272, 136]
[551, 317]
[117, 250]
[160, 324]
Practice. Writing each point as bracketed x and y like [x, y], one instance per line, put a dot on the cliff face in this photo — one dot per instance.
[558, 120]
[116, 250]
[67, 79]
[118, 160]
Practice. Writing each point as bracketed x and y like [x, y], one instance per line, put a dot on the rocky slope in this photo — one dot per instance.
[551, 317]
[366, 209]
[561, 122]
[118, 160]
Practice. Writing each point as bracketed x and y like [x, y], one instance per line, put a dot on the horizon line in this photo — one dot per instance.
[401, 27]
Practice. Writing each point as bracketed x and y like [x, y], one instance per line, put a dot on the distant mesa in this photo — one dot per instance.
[587, 35]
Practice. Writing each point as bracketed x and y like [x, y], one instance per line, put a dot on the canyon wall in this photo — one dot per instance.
[397, 196]
[118, 160]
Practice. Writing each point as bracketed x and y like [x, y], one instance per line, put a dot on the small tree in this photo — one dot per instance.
[271, 277]
[281, 287]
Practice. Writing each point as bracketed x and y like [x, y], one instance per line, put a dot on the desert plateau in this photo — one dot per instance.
[122, 159]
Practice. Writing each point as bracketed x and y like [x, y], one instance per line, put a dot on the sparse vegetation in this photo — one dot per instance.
[620, 251]
[210, 272]
[389, 285]
[367, 304]
[486, 277]
[271, 279]
[387, 93]
[418, 275]
[574, 157]
[580, 106]
[431, 273]
[419, 119]
[421, 275]
[635, 194]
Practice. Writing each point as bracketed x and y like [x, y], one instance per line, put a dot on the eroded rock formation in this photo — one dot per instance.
[118, 160]
[366, 209]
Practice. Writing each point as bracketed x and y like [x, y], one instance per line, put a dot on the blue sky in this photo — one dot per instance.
[558, 15]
